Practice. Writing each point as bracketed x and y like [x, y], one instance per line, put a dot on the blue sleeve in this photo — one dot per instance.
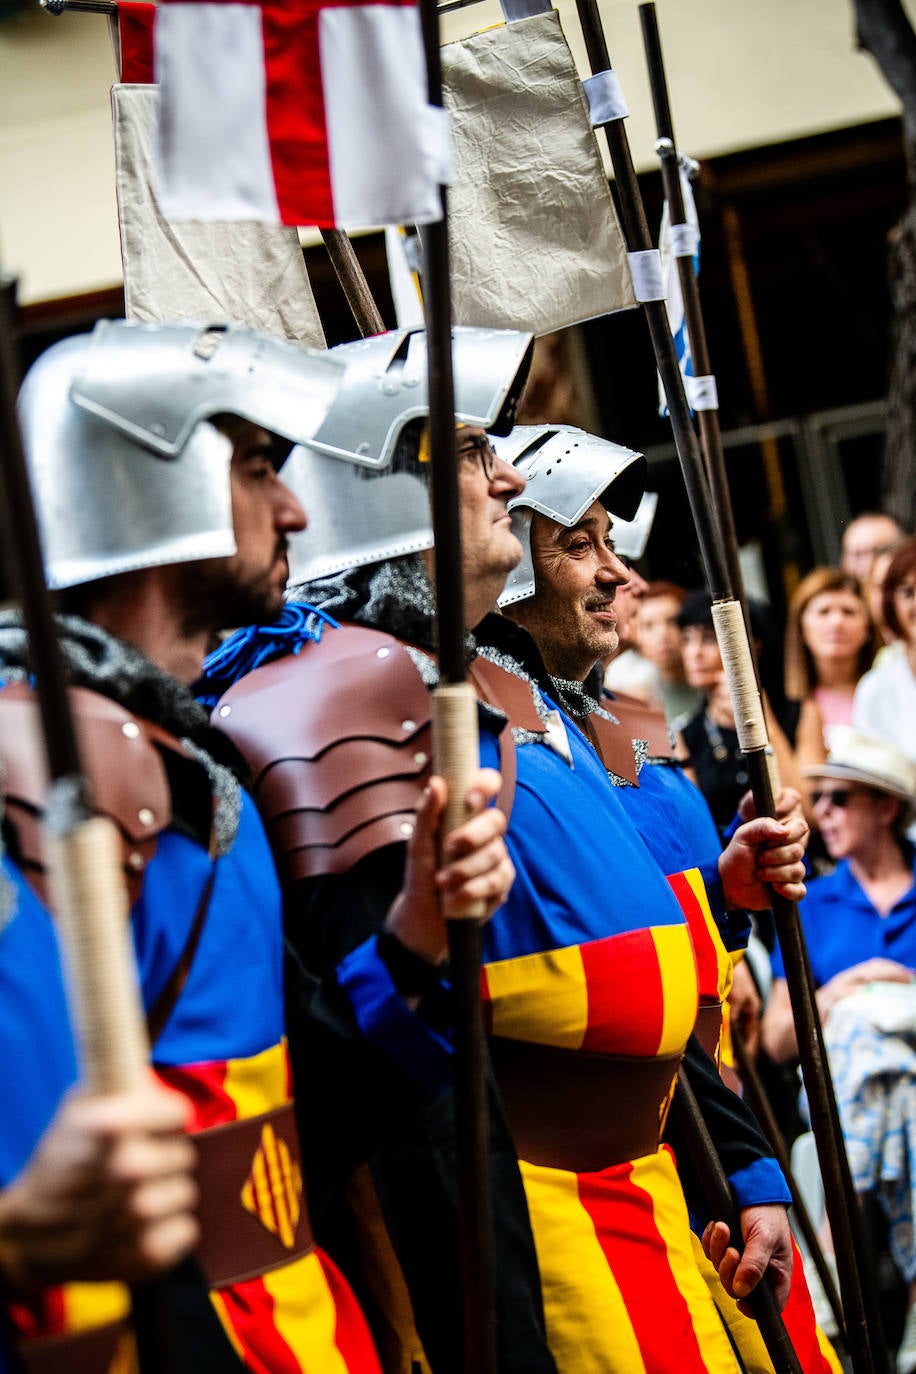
[385, 1019]
[759, 1183]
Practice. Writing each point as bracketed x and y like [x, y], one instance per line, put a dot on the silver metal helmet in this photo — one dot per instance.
[126, 469]
[565, 470]
[631, 536]
[366, 494]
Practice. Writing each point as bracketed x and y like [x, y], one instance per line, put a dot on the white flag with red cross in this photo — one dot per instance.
[303, 112]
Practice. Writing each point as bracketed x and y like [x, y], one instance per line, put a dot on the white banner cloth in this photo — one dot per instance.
[242, 273]
[535, 241]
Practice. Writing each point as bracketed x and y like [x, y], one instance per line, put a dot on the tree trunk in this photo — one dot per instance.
[884, 31]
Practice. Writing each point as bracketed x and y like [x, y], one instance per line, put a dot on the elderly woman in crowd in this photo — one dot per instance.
[860, 928]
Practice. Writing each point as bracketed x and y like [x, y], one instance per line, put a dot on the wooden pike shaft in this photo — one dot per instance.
[859, 1298]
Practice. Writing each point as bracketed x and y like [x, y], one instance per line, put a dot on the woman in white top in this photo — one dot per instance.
[885, 699]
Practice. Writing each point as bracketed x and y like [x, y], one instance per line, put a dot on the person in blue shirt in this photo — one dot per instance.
[860, 928]
[860, 920]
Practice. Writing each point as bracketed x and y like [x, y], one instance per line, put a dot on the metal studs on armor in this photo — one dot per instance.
[130, 729]
[382, 653]
[225, 711]
[136, 861]
[420, 758]
[145, 816]
[407, 829]
[408, 725]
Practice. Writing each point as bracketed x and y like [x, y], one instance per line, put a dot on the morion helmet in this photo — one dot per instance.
[359, 477]
[565, 470]
[126, 470]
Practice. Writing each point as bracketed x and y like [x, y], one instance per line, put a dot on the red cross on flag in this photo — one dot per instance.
[297, 112]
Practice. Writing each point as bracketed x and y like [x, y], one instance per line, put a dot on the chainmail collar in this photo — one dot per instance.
[396, 597]
[105, 664]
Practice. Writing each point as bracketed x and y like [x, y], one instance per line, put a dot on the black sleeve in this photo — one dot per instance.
[736, 1134]
[409, 1137]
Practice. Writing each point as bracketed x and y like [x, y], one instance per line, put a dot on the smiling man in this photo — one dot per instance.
[564, 595]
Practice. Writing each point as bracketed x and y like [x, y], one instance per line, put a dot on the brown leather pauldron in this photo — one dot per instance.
[126, 775]
[339, 740]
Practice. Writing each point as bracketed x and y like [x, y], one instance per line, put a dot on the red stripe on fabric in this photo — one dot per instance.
[486, 999]
[624, 990]
[798, 1315]
[624, 1222]
[46, 1316]
[351, 1334]
[295, 114]
[703, 947]
[135, 27]
[202, 1084]
[250, 1309]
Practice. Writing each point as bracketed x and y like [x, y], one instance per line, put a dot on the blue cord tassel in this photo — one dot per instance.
[255, 645]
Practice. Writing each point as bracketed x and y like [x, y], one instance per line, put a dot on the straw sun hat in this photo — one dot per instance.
[870, 762]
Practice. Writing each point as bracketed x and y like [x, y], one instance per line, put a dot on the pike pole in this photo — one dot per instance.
[726, 610]
[83, 851]
[456, 754]
[859, 1296]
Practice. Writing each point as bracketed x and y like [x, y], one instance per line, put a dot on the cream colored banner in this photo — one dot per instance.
[534, 235]
[242, 273]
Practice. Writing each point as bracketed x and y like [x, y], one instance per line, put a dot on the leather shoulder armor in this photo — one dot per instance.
[338, 741]
[643, 722]
[126, 775]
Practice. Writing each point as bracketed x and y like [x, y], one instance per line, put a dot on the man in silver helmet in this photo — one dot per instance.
[154, 453]
[334, 720]
[564, 595]
[337, 810]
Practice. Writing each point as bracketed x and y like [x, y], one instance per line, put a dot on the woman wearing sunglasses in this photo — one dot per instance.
[860, 929]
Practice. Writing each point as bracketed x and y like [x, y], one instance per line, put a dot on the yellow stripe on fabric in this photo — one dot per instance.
[677, 969]
[829, 1353]
[259, 1083]
[657, 1175]
[540, 997]
[94, 1304]
[588, 1329]
[305, 1314]
[219, 1307]
[744, 1331]
[723, 958]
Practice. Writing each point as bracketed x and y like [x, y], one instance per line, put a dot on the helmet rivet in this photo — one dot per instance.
[225, 711]
[145, 816]
[408, 725]
[130, 729]
[382, 653]
[406, 828]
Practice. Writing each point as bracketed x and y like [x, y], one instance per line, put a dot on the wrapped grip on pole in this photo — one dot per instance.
[731, 632]
[456, 753]
[90, 900]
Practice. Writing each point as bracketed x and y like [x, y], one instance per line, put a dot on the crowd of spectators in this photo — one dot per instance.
[843, 729]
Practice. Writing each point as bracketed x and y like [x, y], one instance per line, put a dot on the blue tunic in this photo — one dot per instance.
[842, 928]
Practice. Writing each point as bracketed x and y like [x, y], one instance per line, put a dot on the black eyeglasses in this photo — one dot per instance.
[474, 446]
[837, 796]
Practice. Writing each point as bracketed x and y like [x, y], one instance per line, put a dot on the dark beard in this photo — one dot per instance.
[214, 598]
